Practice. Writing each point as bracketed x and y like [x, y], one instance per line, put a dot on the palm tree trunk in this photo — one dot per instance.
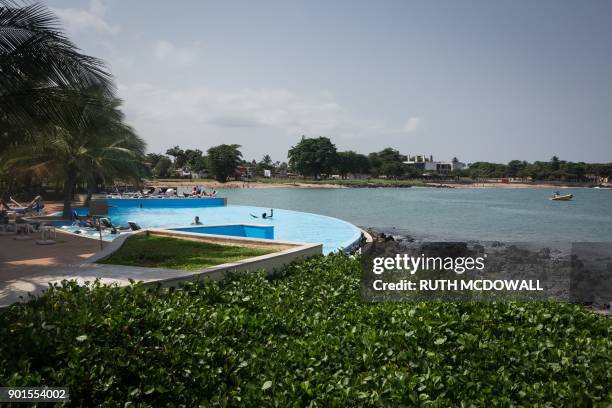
[9, 187]
[69, 181]
[92, 188]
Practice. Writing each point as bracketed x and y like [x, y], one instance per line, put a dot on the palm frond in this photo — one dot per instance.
[34, 49]
[40, 68]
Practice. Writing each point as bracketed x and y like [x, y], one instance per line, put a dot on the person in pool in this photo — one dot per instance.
[265, 215]
[196, 221]
[88, 222]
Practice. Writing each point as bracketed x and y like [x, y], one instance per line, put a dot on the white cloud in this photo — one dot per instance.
[165, 50]
[271, 108]
[411, 124]
[274, 117]
[98, 7]
[78, 20]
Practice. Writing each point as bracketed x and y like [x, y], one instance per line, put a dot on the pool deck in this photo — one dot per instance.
[28, 267]
[25, 258]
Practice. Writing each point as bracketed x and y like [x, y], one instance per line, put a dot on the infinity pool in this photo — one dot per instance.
[288, 225]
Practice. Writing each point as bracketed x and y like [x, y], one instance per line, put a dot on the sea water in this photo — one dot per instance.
[491, 214]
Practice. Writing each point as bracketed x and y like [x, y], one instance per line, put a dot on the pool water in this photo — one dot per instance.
[69, 226]
[293, 226]
[453, 214]
[236, 230]
[288, 225]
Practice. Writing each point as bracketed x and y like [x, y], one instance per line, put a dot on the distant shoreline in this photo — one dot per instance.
[538, 185]
[377, 183]
[237, 184]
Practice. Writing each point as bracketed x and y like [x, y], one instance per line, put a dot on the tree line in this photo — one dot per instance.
[319, 158]
[552, 170]
[310, 157]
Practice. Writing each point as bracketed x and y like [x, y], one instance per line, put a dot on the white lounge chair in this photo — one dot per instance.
[35, 206]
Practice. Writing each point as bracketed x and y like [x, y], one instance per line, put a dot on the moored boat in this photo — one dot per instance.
[558, 197]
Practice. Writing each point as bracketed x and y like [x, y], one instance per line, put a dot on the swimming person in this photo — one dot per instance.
[88, 222]
[196, 221]
[264, 215]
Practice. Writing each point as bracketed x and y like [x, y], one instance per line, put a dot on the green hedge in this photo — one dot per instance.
[303, 339]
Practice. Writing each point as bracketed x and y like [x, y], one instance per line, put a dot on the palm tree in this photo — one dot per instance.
[40, 68]
[223, 161]
[59, 119]
[91, 143]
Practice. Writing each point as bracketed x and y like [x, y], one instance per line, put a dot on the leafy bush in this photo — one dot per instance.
[301, 339]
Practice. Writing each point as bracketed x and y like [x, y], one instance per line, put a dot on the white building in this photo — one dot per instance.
[427, 163]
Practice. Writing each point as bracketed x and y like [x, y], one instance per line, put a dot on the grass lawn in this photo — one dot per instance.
[174, 253]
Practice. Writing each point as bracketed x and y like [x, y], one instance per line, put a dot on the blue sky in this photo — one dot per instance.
[480, 80]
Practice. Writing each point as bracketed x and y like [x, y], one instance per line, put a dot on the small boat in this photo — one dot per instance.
[558, 197]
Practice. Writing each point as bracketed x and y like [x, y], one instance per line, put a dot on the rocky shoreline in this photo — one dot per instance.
[579, 274]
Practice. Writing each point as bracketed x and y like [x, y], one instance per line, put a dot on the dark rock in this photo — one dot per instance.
[445, 249]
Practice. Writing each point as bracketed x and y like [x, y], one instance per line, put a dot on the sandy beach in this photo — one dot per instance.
[510, 185]
[208, 184]
[239, 184]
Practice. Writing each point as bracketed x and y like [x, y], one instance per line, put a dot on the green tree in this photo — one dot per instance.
[152, 159]
[313, 156]
[352, 162]
[223, 161]
[41, 73]
[266, 160]
[388, 162]
[180, 158]
[266, 163]
[163, 167]
[554, 163]
[282, 168]
[97, 146]
[487, 170]
[195, 160]
[515, 167]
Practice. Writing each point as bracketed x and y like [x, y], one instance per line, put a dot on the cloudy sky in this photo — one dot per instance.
[480, 80]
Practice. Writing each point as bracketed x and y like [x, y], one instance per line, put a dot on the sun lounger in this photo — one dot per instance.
[30, 204]
[35, 206]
